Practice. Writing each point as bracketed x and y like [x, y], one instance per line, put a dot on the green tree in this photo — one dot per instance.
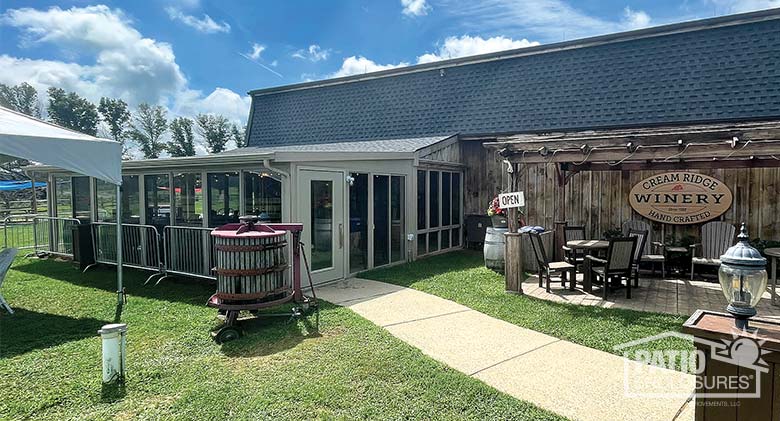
[182, 139]
[22, 98]
[239, 136]
[215, 130]
[116, 115]
[70, 110]
[149, 124]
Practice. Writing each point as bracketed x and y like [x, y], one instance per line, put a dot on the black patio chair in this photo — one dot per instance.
[572, 233]
[617, 266]
[641, 238]
[565, 270]
[653, 252]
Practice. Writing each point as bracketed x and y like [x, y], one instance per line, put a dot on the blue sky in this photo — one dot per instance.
[203, 56]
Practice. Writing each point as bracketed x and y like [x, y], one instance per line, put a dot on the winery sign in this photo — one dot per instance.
[680, 198]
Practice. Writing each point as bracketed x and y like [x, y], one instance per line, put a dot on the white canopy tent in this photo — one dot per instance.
[22, 136]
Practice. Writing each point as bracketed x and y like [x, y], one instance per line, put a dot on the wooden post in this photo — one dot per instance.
[513, 252]
[513, 263]
[560, 211]
[735, 389]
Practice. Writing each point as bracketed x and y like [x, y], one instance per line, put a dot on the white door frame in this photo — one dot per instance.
[339, 238]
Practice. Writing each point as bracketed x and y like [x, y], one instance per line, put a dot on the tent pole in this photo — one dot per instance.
[119, 244]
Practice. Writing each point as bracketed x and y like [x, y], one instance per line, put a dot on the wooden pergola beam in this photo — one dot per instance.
[713, 134]
[663, 153]
[642, 136]
[674, 165]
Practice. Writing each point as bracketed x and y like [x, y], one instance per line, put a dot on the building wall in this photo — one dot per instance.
[450, 151]
[599, 199]
[484, 176]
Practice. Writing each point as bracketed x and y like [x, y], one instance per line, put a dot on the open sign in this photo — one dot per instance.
[511, 200]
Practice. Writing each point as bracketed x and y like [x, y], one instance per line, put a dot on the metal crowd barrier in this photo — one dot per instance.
[189, 251]
[186, 251]
[18, 232]
[140, 246]
[53, 235]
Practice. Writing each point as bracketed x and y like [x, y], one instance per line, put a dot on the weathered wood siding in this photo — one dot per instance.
[599, 199]
[447, 153]
[484, 176]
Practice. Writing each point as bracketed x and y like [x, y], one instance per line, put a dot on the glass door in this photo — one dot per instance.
[322, 213]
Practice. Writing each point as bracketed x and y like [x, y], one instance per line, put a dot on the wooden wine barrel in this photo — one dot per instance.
[493, 249]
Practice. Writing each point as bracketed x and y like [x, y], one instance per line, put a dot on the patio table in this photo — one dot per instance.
[588, 244]
[773, 254]
[674, 255]
[591, 245]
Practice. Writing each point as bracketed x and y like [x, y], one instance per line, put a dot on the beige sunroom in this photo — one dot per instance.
[355, 204]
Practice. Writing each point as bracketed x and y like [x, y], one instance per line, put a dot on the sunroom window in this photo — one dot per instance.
[438, 211]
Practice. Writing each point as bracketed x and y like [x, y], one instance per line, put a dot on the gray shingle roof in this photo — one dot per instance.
[712, 74]
[383, 145]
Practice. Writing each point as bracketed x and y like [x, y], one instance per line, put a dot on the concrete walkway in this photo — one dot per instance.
[569, 379]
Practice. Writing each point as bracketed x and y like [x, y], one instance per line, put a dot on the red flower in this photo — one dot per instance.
[495, 208]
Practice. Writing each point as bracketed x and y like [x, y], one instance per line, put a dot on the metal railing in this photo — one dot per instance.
[140, 246]
[189, 251]
[18, 232]
[53, 235]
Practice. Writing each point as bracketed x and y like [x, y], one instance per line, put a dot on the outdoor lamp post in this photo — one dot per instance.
[742, 278]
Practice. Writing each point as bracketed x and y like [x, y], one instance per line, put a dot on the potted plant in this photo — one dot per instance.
[496, 214]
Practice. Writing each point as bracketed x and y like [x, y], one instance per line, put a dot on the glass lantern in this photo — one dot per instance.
[743, 279]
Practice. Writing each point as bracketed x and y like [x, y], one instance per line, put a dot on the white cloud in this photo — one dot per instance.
[257, 49]
[126, 64]
[548, 20]
[45, 73]
[415, 7]
[89, 29]
[725, 7]
[115, 61]
[454, 47]
[206, 25]
[359, 65]
[314, 53]
[186, 4]
[220, 101]
[636, 19]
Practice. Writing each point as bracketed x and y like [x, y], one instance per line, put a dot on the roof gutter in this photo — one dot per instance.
[176, 163]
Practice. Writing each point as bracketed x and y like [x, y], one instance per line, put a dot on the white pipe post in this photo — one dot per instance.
[119, 244]
[114, 341]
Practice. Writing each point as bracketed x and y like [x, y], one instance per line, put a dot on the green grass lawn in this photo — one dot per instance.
[461, 277]
[50, 364]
